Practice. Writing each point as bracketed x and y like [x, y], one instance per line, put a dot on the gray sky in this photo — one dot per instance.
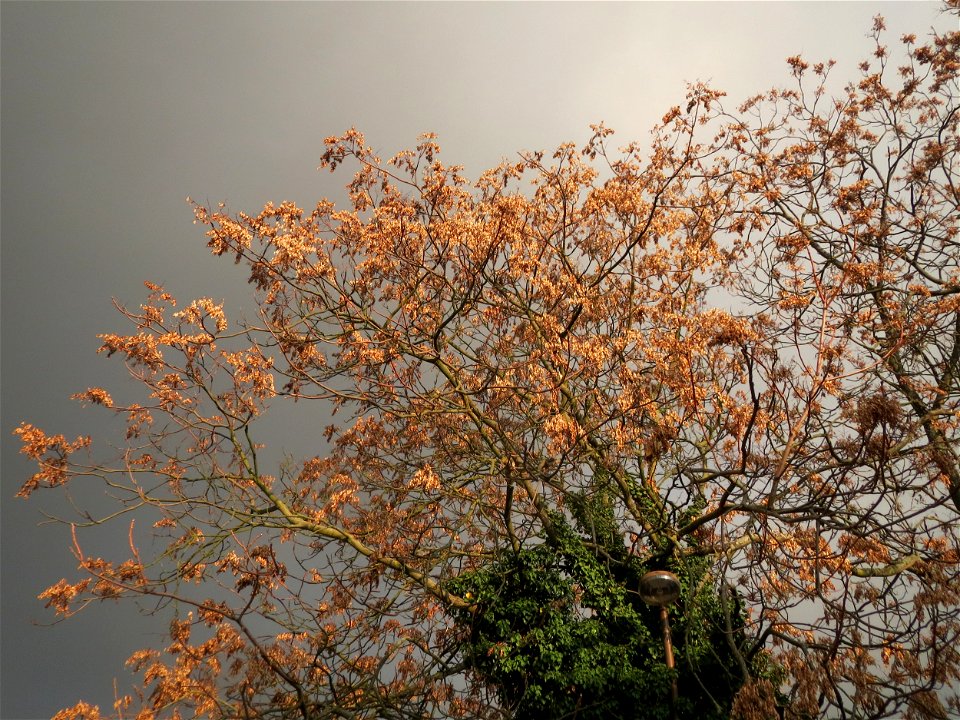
[112, 113]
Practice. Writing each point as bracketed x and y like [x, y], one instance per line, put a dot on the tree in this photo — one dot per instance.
[735, 355]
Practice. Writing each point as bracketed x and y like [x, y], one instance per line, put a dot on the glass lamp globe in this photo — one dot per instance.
[659, 587]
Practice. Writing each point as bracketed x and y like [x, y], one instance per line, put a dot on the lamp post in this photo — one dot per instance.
[660, 588]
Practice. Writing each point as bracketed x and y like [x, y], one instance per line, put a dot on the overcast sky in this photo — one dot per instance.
[112, 113]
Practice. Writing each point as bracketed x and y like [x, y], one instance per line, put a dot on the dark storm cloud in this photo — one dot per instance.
[114, 112]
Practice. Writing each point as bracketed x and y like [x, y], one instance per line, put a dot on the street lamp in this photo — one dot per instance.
[660, 588]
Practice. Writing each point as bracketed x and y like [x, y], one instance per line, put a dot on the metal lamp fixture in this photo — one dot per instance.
[660, 588]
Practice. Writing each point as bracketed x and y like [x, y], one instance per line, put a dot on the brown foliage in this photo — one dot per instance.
[751, 327]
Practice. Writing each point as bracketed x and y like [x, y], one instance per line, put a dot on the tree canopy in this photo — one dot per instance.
[732, 352]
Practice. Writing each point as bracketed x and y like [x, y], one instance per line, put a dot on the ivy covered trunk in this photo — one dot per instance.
[559, 629]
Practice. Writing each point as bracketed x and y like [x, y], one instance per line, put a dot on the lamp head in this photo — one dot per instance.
[659, 587]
